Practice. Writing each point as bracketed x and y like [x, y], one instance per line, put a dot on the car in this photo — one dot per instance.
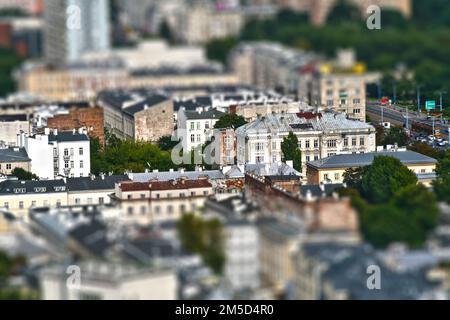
[431, 138]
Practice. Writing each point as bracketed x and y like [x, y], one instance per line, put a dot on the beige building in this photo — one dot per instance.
[278, 247]
[11, 125]
[18, 197]
[332, 169]
[79, 84]
[12, 158]
[159, 201]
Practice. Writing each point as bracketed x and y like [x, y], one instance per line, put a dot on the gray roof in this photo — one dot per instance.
[346, 268]
[273, 169]
[32, 187]
[14, 155]
[168, 176]
[209, 114]
[366, 159]
[323, 122]
[68, 137]
[148, 102]
[97, 183]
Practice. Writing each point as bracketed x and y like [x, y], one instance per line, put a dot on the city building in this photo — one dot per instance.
[271, 66]
[110, 281]
[75, 27]
[19, 196]
[331, 271]
[160, 201]
[11, 125]
[22, 35]
[90, 119]
[320, 135]
[54, 154]
[137, 115]
[241, 241]
[332, 169]
[13, 158]
[195, 128]
[92, 190]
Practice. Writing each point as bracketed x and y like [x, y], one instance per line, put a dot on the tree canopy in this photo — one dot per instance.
[230, 120]
[291, 151]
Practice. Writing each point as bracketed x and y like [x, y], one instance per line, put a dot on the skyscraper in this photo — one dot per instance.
[74, 27]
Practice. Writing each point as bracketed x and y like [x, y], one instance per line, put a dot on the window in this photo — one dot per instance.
[332, 143]
[357, 111]
[183, 208]
[81, 164]
[316, 158]
[193, 193]
[354, 142]
[308, 145]
[8, 166]
[308, 158]
[130, 211]
[66, 164]
[129, 197]
[274, 145]
[316, 143]
[346, 142]
[55, 152]
[21, 205]
[192, 126]
[66, 152]
[77, 201]
[80, 151]
[198, 126]
[337, 176]
[72, 164]
[330, 103]
[325, 176]
[142, 196]
[330, 93]
[101, 200]
[205, 193]
[192, 137]
[356, 101]
[6, 205]
[143, 210]
[58, 203]
[343, 101]
[158, 210]
[362, 141]
[260, 146]
[260, 159]
[207, 125]
[170, 209]
[199, 138]
[71, 152]
[33, 204]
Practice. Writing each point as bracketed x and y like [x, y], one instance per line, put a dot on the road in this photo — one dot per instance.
[398, 116]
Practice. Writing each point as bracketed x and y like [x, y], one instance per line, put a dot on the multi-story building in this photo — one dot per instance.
[320, 135]
[19, 196]
[13, 158]
[89, 118]
[11, 125]
[241, 240]
[75, 27]
[332, 169]
[137, 115]
[272, 66]
[201, 21]
[159, 201]
[23, 35]
[84, 82]
[54, 154]
[195, 128]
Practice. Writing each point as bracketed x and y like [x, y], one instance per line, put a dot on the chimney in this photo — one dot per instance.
[55, 132]
[47, 131]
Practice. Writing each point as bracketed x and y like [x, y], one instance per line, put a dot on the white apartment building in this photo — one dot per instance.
[320, 135]
[196, 127]
[75, 27]
[58, 154]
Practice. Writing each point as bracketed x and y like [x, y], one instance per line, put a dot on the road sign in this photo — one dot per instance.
[430, 105]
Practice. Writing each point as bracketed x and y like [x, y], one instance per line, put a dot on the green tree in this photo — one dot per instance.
[291, 151]
[396, 135]
[353, 177]
[442, 184]
[8, 62]
[219, 49]
[24, 175]
[166, 144]
[230, 120]
[344, 11]
[385, 177]
[204, 237]
[166, 33]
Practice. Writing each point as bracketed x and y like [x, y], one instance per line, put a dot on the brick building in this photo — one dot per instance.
[91, 118]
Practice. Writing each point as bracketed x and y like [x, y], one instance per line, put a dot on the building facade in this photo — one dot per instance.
[14, 158]
[320, 135]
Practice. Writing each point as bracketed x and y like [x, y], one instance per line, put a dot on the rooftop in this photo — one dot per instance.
[165, 185]
[68, 137]
[95, 183]
[366, 159]
[12, 155]
[32, 187]
[203, 115]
